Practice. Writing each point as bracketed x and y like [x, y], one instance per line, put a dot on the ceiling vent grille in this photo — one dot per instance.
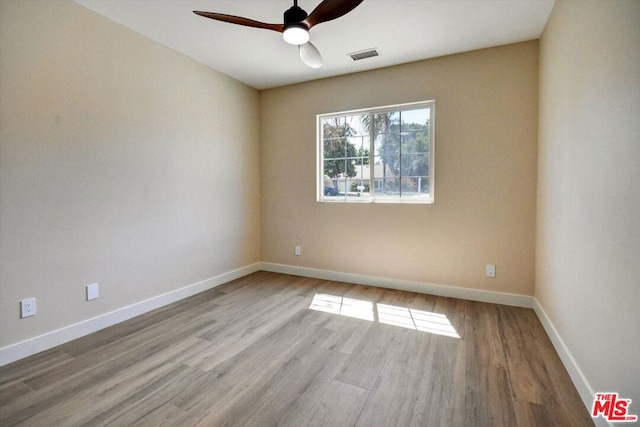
[363, 54]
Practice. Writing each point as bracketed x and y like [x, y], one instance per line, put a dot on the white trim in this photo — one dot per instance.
[405, 285]
[31, 346]
[575, 373]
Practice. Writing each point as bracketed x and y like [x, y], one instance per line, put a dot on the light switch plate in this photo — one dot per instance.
[92, 291]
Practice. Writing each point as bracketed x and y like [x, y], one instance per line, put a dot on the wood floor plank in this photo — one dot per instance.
[340, 405]
[347, 333]
[109, 384]
[252, 370]
[260, 399]
[293, 395]
[91, 343]
[329, 287]
[250, 279]
[54, 388]
[529, 376]
[408, 299]
[259, 351]
[443, 384]
[241, 300]
[393, 400]
[42, 362]
[363, 367]
[10, 392]
[151, 339]
[144, 405]
[563, 388]
[455, 312]
[533, 414]
[488, 394]
[301, 286]
[524, 379]
[246, 328]
[163, 416]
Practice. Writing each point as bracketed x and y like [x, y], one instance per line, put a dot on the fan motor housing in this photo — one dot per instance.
[294, 15]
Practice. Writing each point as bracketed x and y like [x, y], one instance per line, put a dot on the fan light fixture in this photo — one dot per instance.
[295, 34]
[310, 55]
[296, 25]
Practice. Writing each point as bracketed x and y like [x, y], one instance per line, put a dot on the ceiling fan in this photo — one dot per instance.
[296, 26]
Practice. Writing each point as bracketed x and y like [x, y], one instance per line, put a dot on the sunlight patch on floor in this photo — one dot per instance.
[403, 317]
[349, 307]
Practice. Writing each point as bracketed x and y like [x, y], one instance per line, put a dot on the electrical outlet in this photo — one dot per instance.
[298, 250]
[92, 291]
[27, 307]
[491, 270]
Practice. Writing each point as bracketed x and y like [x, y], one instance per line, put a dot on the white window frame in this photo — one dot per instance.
[320, 195]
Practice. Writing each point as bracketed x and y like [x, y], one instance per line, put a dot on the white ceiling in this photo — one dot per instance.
[402, 30]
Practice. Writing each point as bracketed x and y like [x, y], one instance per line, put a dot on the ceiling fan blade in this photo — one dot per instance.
[241, 21]
[329, 10]
[310, 55]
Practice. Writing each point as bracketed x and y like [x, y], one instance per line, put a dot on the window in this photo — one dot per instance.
[377, 155]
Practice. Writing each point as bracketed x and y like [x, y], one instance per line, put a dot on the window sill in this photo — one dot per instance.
[379, 201]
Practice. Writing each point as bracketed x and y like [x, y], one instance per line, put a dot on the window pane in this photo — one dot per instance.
[358, 188]
[387, 144]
[387, 166]
[358, 124]
[387, 187]
[415, 142]
[415, 165]
[423, 185]
[362, 170]
[361, 144]
[333, 129]
[385, 175]
[415, 119]
[415, 187]
[334, 168]
[330, 187]
[383, 122]
[334, 148]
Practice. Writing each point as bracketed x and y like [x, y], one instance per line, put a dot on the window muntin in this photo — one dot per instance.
[377, 155]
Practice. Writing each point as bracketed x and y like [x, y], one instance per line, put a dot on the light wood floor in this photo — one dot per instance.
[253, 352]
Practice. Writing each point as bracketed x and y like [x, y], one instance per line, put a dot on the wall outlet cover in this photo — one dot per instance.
[491, 270]
[27, 307]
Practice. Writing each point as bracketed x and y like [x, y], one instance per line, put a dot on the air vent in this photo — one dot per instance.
[363, 54]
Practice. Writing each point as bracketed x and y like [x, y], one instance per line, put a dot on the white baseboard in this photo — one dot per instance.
[51, 339]
[405, 285]
[575, 373]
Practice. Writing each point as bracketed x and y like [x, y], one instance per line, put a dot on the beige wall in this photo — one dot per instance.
[485, 175]
[122, 163]
[588, 232]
